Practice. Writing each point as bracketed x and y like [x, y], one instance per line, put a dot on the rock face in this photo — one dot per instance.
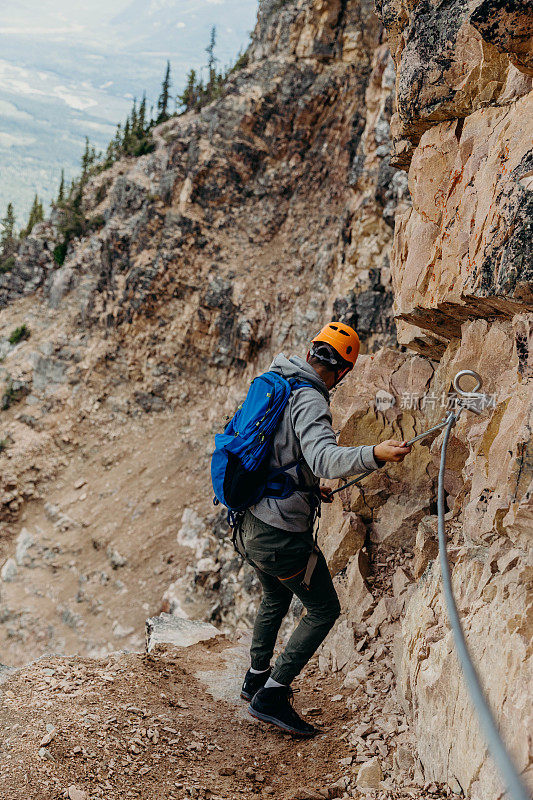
[451, 64]
[464, 107]
[215, 225]
[462, 280]
[463, 250]
[509, 27]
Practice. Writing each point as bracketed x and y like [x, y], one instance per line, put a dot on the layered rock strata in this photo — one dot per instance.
[461, 272]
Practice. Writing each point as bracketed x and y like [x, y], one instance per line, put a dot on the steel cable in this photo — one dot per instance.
[497, 749]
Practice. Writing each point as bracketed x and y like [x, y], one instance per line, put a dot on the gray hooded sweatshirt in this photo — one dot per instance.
[305, 431]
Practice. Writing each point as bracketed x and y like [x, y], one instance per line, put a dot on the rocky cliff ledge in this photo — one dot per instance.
[170, 723]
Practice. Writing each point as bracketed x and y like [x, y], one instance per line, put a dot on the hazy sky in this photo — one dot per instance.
[70, 68]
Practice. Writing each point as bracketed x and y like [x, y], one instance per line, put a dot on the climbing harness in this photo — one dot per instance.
[312, 561]
[475, 401]
[236, 522]
[310, 567]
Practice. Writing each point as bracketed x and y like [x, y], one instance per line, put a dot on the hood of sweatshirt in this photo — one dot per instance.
[296, 367]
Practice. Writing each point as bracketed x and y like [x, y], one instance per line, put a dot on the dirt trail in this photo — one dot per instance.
[148, 726]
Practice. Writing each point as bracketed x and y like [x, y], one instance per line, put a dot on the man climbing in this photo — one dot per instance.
[277, 534]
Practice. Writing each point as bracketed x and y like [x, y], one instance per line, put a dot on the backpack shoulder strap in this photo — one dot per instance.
[279, 484]
[296, 383]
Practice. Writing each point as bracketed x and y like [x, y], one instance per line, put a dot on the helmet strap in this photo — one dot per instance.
[340, 374]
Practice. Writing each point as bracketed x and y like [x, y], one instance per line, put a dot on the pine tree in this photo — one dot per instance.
[114, 148]
[117, 142]
[38, 211]
[126, 138]
[141, 119]
[211, 65]
[162, 103]
[72, 222]
[110, 154]
[86, 160]
[61, 192]
[36, 216]
[7, 235]
[134, 119]
[188, 98]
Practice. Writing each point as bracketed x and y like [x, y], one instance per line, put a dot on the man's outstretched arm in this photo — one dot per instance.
[311, 419]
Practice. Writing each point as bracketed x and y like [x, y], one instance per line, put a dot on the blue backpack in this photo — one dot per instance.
[239, 465]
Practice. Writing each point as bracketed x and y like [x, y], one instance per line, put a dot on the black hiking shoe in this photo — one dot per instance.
[274, 705]
[253, 682]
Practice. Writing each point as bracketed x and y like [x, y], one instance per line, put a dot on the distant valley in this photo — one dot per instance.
[69, 74]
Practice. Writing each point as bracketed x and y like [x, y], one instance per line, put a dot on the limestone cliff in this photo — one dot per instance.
[461, 272]
[251, 221]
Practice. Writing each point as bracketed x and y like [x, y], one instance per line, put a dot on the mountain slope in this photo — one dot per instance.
[249, 223]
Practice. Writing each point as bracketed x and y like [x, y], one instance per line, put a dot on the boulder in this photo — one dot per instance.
[426, 545]
[381, 614]
[369, 774]
[9, 570]
[353, 591]
[400, 581]
[76, 794]
[403, 758]
[339, 648]
[355, 677]
[343, 540]
[176, 631]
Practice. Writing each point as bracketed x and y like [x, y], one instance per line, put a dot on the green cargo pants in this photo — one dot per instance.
[279, 558]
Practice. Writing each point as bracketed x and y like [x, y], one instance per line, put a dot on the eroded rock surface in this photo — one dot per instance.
[464, 249]
[452, 61]
[461, 273]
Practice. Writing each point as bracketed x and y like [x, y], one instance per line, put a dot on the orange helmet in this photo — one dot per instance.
[342, 338]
